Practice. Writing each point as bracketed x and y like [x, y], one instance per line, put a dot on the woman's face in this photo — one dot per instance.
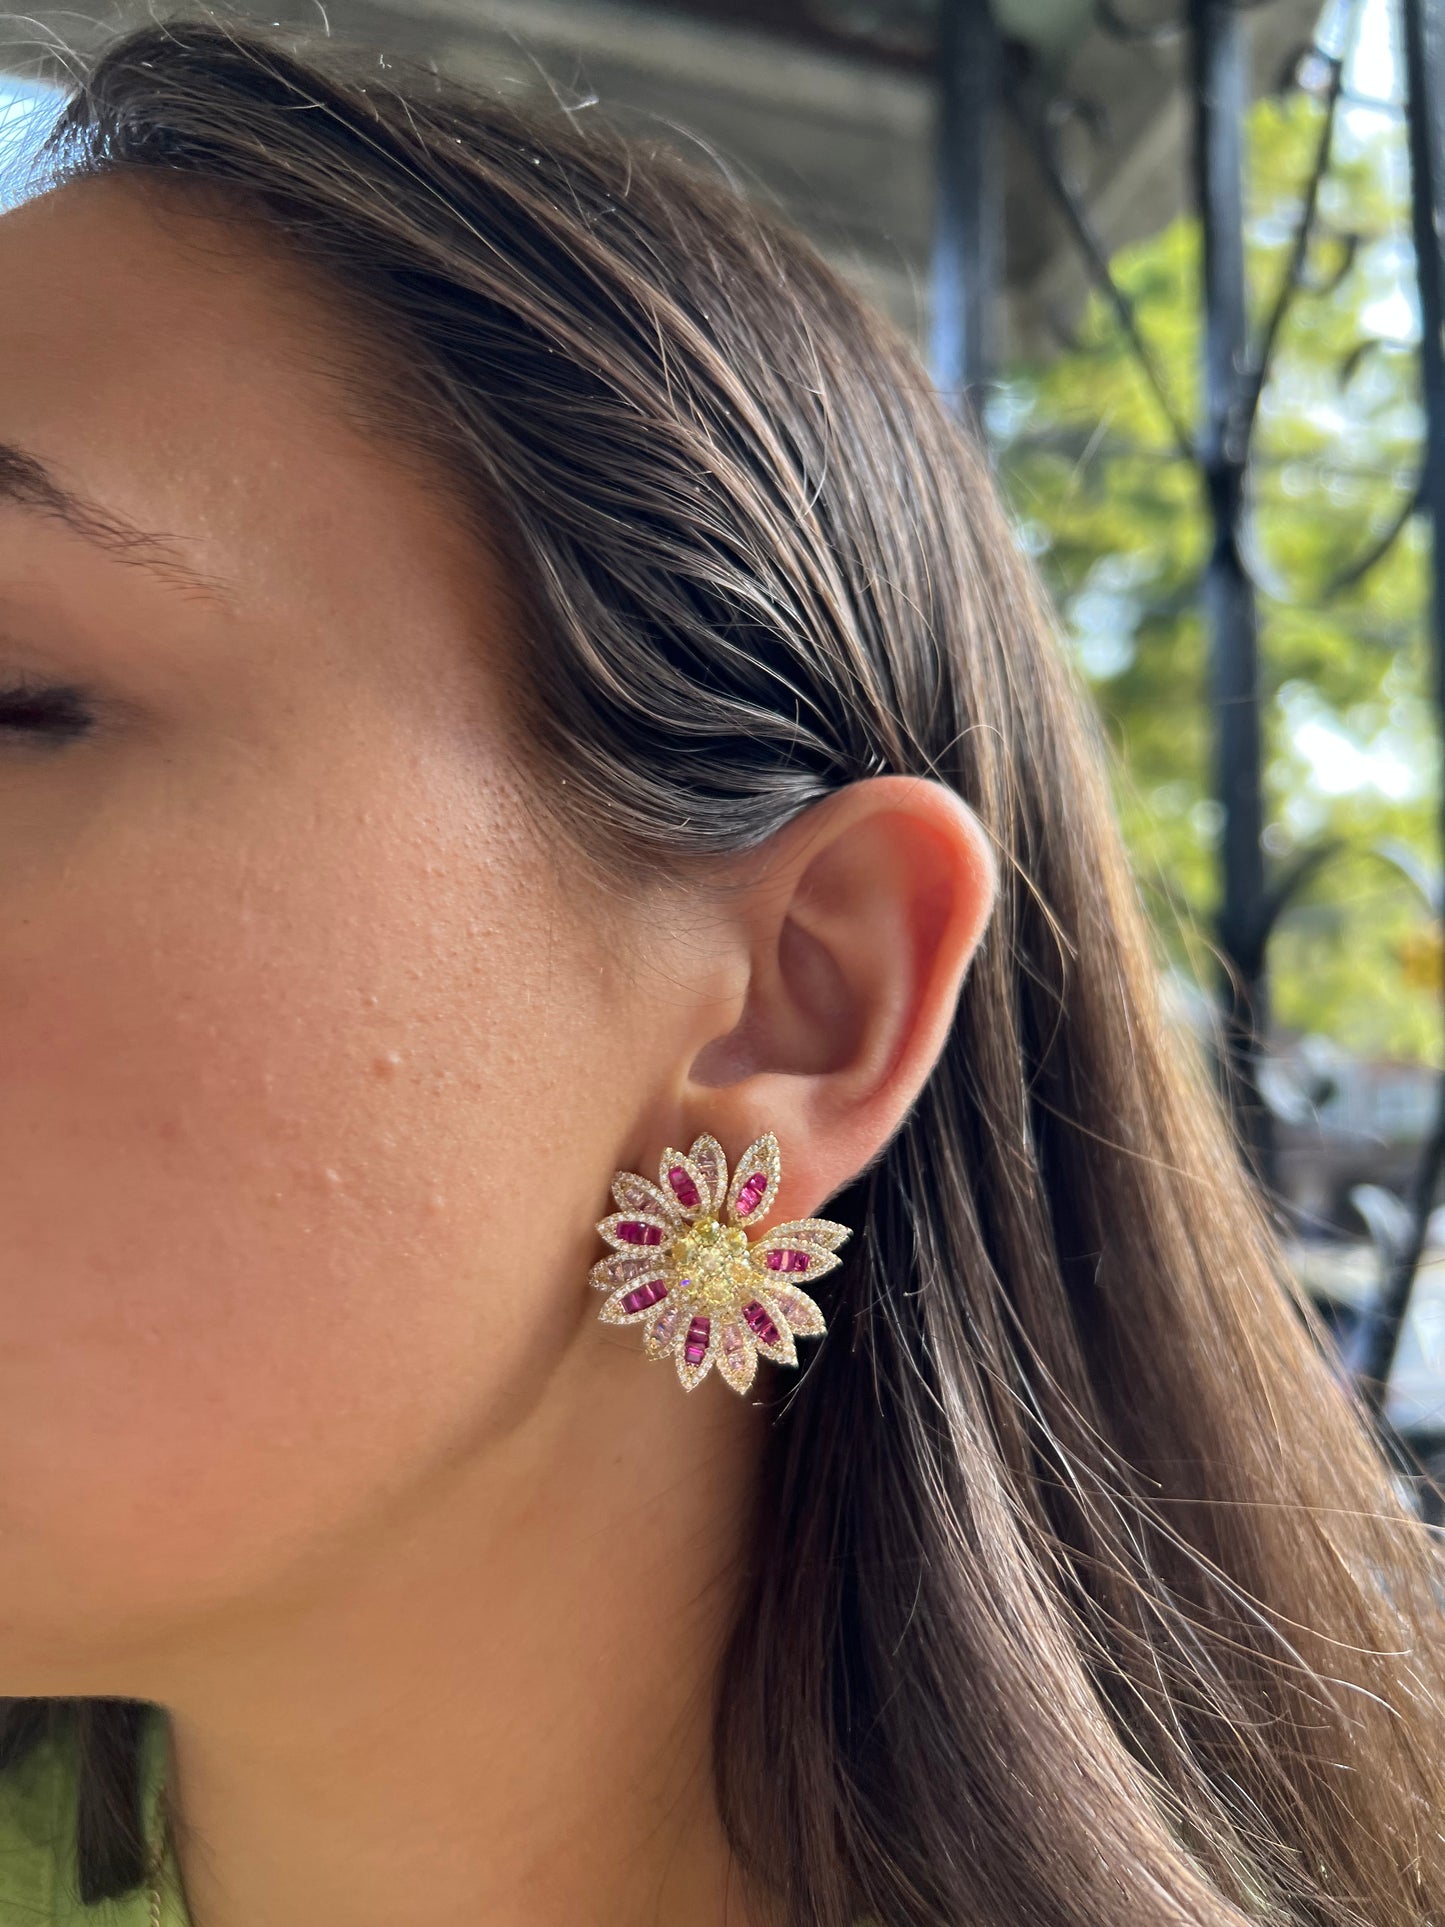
[314, 1065]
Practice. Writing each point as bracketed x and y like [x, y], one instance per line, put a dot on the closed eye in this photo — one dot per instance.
[56, 712]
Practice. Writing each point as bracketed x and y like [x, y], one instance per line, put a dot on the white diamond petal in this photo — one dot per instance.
[651, 1344]
[804, 1317]
[640, 1262]
[737, 1369]
[822, 1232]
[707, 1154]
[637, 1195]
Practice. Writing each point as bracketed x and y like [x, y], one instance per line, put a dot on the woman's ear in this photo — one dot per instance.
[857, 922]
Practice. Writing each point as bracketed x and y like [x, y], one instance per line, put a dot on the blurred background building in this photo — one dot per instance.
[828, 107]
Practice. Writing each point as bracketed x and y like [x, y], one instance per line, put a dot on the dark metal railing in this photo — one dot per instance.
[975, 89]
[1230, 389]
[1423, 38]
[968, 212]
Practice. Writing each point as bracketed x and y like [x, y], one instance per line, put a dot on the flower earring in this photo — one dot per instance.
[703, 1293]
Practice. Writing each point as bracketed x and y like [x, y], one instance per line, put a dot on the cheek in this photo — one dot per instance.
[298, 1166]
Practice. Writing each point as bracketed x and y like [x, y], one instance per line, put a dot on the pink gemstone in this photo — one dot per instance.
[683, 1188]
[695, 1346]
[761, 1323]
[633, 1232]
[644, 1296]
[732, 1341]
[787, 1261]
[666, 1325]
[750, 1193]
[620, 1269]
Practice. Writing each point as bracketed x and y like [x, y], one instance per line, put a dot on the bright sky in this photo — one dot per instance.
[24, 114]
[1374, 70]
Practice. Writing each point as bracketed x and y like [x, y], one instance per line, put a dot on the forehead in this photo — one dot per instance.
[163, 359]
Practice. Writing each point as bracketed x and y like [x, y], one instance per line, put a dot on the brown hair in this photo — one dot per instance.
[1081, 1593]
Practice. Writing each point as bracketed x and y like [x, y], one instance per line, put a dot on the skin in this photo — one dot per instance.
[317, 1057]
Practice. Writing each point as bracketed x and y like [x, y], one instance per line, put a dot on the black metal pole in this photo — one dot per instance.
[1229, 601]
[968, 204]
[1423, 22]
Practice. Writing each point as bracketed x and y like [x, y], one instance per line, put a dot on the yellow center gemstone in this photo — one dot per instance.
[712, 1265]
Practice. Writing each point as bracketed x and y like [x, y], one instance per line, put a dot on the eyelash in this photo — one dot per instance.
[58, 712]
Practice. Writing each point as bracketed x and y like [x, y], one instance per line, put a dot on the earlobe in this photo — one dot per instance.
[860, 919]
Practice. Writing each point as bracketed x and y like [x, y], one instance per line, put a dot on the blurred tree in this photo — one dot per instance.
[1115, 516]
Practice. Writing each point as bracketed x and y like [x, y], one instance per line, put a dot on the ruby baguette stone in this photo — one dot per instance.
[750, 1192]
[633, 1232]
[695, 1346]
[644, 1296]
[788, 1260]
[761, 1323]
[683, 1188]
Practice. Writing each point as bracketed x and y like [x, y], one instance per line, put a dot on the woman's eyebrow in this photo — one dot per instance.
[26, 482]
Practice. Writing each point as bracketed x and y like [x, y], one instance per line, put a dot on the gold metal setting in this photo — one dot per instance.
[684, 1268]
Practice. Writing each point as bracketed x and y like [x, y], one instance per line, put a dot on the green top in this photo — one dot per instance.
[37, 1841]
